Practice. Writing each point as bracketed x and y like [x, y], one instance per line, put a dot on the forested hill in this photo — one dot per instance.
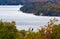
[40, 8]
[17, 2]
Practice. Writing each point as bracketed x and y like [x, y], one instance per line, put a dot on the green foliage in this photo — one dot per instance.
[8, 31]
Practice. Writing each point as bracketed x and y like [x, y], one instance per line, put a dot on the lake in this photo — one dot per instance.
[23, 20]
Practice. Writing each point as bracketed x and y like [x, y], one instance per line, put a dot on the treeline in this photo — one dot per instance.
[46, 8]
[8, 31]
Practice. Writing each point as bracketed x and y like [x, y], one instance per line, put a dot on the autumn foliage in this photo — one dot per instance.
[50, 31]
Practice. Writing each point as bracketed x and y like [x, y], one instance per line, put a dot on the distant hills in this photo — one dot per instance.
[9, 2]
[30, 1]
[17, 2]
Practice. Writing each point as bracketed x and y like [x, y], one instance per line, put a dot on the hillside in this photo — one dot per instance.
[42, 8]
[17, 2]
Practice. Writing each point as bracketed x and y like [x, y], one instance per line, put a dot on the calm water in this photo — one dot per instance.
[23, 20]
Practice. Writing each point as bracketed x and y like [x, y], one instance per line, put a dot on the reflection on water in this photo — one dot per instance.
[23, 21]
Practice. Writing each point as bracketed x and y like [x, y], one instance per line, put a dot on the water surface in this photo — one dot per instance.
[23, 20]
